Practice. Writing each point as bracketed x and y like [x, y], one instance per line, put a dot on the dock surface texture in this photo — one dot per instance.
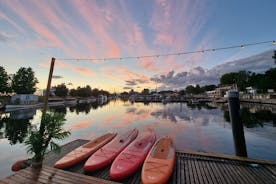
[188, 168]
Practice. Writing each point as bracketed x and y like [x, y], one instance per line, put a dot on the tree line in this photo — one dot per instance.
[244, 79]
[22, 82]
[61, 90]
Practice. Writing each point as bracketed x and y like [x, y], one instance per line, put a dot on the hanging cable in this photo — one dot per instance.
[169, 54]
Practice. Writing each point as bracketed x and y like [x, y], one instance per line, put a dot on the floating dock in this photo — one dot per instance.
[190, 168]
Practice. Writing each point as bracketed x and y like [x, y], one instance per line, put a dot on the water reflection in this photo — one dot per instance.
[256, 119]
[16, 125]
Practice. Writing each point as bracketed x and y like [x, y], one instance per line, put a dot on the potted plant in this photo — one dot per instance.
[39, 140]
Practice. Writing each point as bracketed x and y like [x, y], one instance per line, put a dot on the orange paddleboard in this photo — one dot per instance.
[84, 151]
[158, 165]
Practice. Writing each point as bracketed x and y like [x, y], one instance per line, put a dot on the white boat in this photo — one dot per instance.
[102, 99]
[55, 102]
[11, 107]
[70, 101]
[82, 101]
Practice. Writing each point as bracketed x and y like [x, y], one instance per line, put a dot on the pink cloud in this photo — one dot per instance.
[122, 73]
[63, 65]
[84, 71]
[162, 38]
[91, 14]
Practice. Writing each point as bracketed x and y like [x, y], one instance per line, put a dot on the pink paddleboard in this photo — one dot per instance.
[132, 158]
[110, 151]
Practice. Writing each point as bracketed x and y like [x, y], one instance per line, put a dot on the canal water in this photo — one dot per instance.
[204, 127]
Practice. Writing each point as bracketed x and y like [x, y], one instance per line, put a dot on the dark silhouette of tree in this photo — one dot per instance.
[16, 130]
[24, 81]
[61, 90]
[73, 92]
[240, 78]
[4, 78]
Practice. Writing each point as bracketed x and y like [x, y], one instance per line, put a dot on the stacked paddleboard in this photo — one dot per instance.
[84, 151]
[109, 152]
[132, 158]
[128, 154]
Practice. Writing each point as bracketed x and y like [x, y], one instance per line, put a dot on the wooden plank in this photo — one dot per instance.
[240, 172]
[202, 167]
[199, 174]
[230, 157]
[216, 172]
[78, 176]
[272, 169]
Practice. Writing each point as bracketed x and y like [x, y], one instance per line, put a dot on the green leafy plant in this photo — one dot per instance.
[51, 129]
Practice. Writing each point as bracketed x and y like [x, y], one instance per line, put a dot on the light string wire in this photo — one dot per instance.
[169, 54]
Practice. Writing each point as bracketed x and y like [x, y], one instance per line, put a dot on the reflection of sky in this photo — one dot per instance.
[197, 129]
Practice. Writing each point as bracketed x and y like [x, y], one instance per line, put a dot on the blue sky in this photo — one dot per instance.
[31, 32]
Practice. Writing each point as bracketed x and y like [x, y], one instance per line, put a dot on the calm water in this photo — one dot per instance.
[198, 128]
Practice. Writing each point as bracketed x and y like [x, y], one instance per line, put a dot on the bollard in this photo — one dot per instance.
[237, 126]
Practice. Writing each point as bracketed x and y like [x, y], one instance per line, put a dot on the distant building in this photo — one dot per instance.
[221, 91]
[51, 93]
[270, 90]
[251, 90]
[211, 94]
[24, 99]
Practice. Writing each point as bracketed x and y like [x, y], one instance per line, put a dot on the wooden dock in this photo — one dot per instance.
[192, 167]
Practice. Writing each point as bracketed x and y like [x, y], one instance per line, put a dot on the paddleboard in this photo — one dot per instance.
[132, 157]
[158, 165]
[84, 151]
[110, 151]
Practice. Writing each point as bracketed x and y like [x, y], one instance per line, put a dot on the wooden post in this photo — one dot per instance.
[237, 126]
[48, 85]
[274, 57]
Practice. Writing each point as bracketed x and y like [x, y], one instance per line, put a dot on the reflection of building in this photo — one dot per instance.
[22, 114]
[24, 99]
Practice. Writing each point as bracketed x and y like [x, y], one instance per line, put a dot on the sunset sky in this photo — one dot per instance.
[31, 32]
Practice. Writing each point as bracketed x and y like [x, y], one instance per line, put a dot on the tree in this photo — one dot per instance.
[4, 78]
[73, 92]
[145, 92]
[24, 81]
[240, 78]
[51, 129]
[61, 90]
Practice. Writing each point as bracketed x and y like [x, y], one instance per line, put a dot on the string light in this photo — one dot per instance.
[169, 54]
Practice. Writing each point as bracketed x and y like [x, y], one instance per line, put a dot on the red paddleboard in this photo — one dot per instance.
[132, 158]
[84, 151]
[110, 151]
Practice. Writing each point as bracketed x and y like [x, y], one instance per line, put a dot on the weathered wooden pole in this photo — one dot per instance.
[49, 85]
[237, 126]
[274, 57]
